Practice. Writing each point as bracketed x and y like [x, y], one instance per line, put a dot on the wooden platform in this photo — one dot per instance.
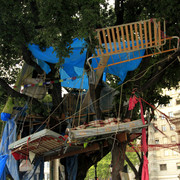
[41, 143]
[52, 145]
[130, 127]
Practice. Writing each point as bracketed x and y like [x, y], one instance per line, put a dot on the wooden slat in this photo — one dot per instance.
[127, 37]
[150, 33]
[109, 39]
[123, 39]
[132, 36]
[118, 38]
[114, 40]
[136, 32]
[155, 33]
[100, 44]
[141, 35]
[145, 32]
[159, 32]
[105, 42]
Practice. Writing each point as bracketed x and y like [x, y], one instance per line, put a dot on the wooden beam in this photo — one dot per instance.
[93, 147]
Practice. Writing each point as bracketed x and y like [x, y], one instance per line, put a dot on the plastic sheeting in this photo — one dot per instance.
[5, 116]
[3, 159]
[73, 65]
[9, 136]
[34, 174]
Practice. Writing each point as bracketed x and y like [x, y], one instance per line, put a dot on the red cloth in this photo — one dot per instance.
[132, 102]
[145, 173]
[18, 156]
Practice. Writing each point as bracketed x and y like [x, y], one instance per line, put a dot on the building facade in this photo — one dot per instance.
[164, 161]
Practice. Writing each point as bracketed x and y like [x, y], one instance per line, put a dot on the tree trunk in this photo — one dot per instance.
[118, 157]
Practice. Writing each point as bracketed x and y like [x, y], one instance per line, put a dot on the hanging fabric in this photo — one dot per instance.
[134, 99]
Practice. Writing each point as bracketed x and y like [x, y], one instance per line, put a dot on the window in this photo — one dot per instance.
[170, 114]
[175, 153]
[163, 167]
[178, 165]
[164, 140]
[172, 127]
[177, 101]
[166, 153]
[173, 139]
[156, 141]
[163, 127]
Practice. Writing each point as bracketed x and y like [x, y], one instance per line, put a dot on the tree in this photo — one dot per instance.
[56, 23]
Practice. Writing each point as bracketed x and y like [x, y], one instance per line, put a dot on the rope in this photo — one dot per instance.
[55, 111]
[132, 79]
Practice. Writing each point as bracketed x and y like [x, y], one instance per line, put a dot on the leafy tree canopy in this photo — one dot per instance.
[56, 23]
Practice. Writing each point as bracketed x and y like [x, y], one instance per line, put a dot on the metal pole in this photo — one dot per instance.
[96, 171]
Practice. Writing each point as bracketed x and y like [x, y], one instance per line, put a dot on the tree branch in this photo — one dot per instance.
[119, 11]
[7, 89]
[27, 56]
[132, 166]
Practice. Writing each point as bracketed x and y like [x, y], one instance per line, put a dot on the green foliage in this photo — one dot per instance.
[57, 23]
[133, 158]
[103, 168]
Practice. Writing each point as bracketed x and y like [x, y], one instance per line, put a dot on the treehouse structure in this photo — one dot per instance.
[120, 49]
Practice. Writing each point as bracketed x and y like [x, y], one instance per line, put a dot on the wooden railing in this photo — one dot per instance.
[131, 37]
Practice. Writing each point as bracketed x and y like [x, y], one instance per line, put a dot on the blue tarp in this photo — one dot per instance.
[3, 159]
[5, 116]
[9, 136]
[73, 66]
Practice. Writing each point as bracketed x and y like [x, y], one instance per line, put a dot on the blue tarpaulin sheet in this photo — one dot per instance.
[74, 64]
[5, 116]
[9, 136]
[3, 159]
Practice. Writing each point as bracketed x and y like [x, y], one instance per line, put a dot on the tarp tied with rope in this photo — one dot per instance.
[9, 136]
[73, 65]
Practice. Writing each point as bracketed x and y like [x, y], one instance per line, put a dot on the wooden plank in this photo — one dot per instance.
[123, 38]
[105, 41]
[159, 33]
[145, 32]
[118, 38]
[110, 43]
[99, 72]
[93, 147]
[91, 132]
[136, 32]
[141, 35]
[100, 44]
[132, 36]
[114, 40]
[155, 32]
[127, 37]
[121, 137]
[150, 33]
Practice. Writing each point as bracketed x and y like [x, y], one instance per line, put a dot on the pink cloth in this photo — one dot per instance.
[132, 102]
